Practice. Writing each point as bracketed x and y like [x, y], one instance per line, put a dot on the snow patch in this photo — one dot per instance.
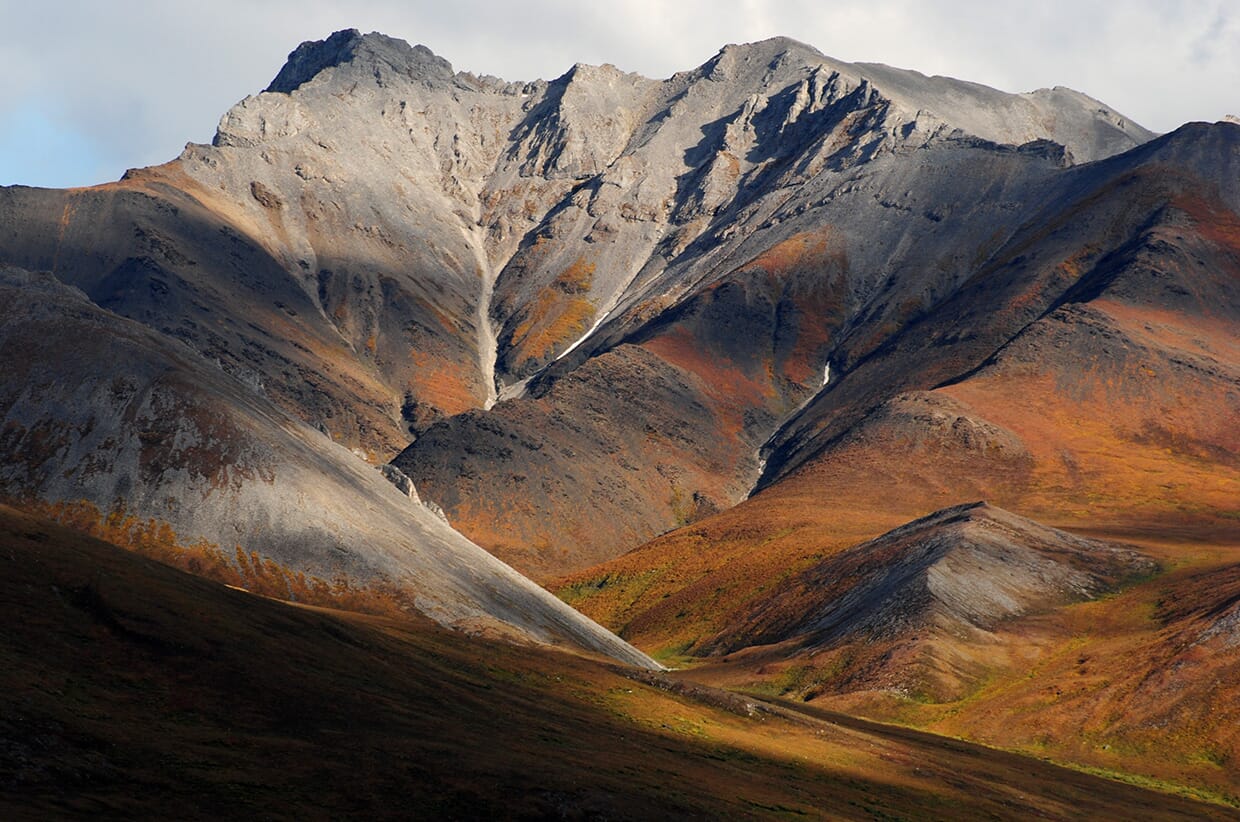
[583, 337]
[516, 390]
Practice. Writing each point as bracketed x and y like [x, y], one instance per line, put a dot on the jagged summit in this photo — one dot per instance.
[1088, 129]
[351, 46]
[312, 56]
[772, 48]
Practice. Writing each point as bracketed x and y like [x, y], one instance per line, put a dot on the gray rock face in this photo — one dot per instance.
[310, 58]
[1225, 629]
[402, 483]
[563, 193]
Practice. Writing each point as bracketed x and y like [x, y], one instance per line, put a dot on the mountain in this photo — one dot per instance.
[694, 352]
[383, 243]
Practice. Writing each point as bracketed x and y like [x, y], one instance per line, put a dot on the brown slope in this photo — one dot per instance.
[131, 690]
[1153, 677]
[1076, 422]
[650, 434]
[1075, 384]
[581, 473]
[1143, 682]
[1051, 444]
[1154, 229]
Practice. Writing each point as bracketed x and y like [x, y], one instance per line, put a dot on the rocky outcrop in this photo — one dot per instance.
[376, 52]
[402, 483]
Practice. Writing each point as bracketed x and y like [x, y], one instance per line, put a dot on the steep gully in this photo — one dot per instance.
[487, 344]
[489, 273]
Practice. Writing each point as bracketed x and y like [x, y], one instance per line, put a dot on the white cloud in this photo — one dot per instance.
[138, 78]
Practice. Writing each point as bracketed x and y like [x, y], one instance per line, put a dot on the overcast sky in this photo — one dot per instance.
[91, 88]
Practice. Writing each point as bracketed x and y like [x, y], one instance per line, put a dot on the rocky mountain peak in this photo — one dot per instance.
[760, 61]
[773, 48]
[378, 52]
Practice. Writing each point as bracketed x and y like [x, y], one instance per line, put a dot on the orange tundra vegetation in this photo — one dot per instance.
[559, 313]
[243, 569]
[807, 271]
[440, 379]
[806, 251]
[165, 695]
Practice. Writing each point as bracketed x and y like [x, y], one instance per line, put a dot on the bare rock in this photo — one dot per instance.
[397, 477]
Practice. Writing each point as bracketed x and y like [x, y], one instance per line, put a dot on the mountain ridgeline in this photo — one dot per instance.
[580, 313]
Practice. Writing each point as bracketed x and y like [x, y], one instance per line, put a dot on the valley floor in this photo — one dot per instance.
[132, 689]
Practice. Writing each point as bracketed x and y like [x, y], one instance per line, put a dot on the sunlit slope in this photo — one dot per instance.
[100, 408]
[1101, 394]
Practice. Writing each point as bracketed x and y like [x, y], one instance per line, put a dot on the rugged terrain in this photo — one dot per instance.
[102, 408]
[654, 273]
[725, 359]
